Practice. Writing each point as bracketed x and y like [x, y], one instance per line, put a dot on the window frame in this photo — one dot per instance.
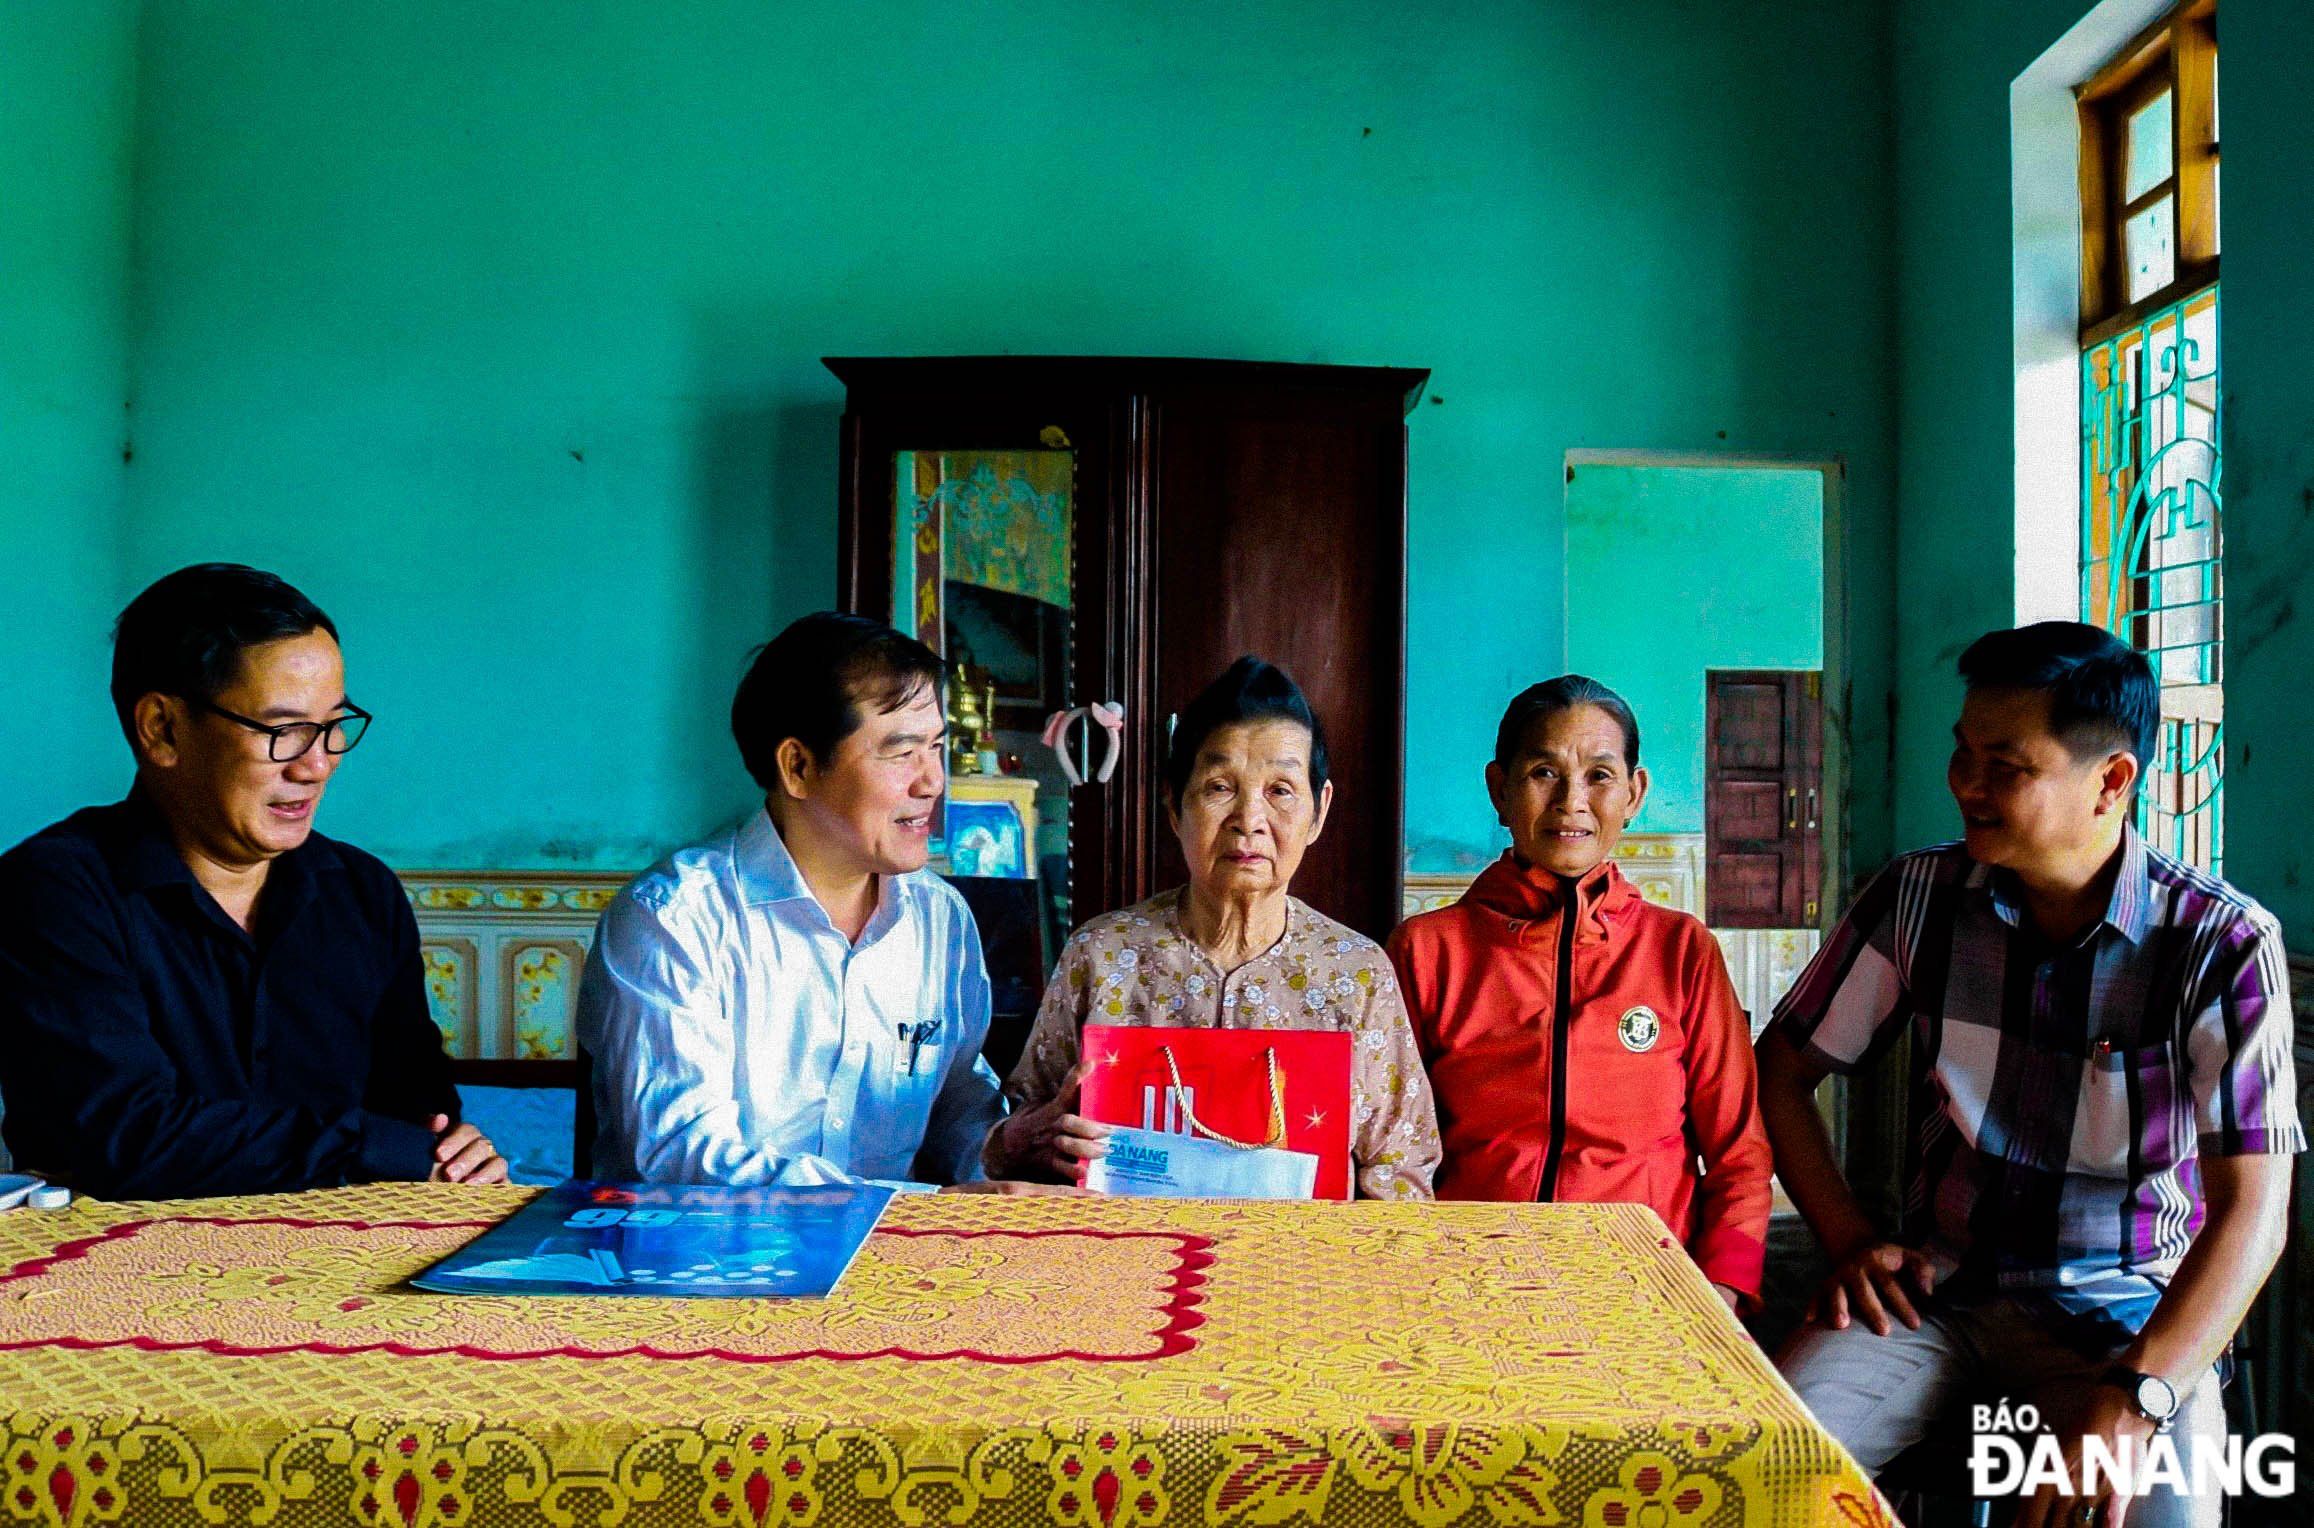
[2177, 53]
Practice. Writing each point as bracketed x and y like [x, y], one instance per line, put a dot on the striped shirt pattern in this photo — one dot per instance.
[2063, 1092]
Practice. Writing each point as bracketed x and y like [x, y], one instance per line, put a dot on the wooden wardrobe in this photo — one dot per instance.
[1216, 508]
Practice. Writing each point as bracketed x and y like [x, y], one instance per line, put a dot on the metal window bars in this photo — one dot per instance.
[2152, 551]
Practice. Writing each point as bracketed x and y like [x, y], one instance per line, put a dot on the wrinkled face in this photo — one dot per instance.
[1567, 792]
[872, 799]
[214, 777]
[2025, 802]
[1248, 812]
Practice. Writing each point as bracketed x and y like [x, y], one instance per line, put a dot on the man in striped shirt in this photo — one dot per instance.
[2102, 1102]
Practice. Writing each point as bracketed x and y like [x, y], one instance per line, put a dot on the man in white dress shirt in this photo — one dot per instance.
[798, 1000]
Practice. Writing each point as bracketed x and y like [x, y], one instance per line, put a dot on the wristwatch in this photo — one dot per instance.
[2154, 1397]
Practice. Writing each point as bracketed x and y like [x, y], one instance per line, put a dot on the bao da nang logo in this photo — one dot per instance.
[1143, 1161]
[2012, 1454]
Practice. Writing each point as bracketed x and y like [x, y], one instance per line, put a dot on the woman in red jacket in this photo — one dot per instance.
[1583, 1043]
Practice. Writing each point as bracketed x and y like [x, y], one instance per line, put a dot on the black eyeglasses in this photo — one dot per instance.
[294, 740]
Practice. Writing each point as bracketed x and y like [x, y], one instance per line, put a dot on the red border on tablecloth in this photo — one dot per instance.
[1193, 1255]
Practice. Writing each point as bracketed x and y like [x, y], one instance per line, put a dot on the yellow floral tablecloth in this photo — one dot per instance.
[1109, 1363]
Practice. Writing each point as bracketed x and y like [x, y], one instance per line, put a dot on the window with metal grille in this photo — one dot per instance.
[2152, 529]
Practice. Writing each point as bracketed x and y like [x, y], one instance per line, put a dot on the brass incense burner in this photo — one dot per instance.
[971, 722]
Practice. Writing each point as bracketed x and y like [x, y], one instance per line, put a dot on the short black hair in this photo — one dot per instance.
[2102, 695]
[1249, 690]
[811, 681]
[185, 634]
[1551, 697]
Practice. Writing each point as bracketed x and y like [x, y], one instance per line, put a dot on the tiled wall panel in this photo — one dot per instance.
[503, 954]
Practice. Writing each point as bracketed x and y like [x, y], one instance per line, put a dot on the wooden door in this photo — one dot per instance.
[1763, 802]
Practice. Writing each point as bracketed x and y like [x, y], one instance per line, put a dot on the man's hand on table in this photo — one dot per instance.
[1015, 1186]
[463, 1154]
[1870, 1281]
[1050, 1138]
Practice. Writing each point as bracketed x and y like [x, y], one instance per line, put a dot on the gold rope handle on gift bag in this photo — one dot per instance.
[1277, 1106]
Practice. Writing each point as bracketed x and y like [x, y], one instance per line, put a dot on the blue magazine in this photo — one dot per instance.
[661, 1239]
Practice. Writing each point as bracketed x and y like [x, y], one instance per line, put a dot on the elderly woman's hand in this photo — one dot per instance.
[1051, 1138]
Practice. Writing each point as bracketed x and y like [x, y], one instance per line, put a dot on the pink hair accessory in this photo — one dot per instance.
[1109, 714]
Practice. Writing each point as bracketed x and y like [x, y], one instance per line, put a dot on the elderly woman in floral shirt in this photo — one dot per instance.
[1247, 792]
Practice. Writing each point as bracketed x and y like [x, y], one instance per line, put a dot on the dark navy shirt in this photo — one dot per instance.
[150, 1048]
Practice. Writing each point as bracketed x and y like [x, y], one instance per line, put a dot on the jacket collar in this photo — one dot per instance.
[1523, 894]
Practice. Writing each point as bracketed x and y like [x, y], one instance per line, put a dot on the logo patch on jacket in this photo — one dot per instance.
[1638, 1028]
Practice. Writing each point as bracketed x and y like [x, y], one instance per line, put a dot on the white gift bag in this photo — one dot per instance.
[1152, 1164]
[1201, 1163]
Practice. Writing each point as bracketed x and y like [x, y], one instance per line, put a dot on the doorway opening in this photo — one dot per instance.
[1706, 589]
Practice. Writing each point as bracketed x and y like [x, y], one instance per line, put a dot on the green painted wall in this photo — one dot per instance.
[1955, 525]
[67, 84]
[1672, 571]
[2267, 319]
[497, 325]
[1955, 60]
[2268, 324]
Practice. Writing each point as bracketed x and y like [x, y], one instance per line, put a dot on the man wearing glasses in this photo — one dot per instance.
[198, 993]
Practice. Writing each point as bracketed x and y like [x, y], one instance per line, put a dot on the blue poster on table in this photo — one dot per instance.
[696, 1240]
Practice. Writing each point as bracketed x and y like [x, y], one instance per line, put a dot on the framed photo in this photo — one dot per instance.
[988, 838]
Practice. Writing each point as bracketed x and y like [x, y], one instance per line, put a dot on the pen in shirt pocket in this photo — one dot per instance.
[914, 1035]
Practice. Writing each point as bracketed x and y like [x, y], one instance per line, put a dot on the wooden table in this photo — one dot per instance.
[1110, 1363]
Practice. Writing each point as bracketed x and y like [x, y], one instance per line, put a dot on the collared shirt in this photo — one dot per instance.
[2063, 1092]
[152, 1048]
[1139, 966]
[738, 1037]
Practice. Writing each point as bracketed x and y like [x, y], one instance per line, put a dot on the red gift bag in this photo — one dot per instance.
[1225, 1088]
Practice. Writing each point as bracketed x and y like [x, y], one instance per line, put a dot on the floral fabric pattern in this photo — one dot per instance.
[1138, 966]
[1099, 1361]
